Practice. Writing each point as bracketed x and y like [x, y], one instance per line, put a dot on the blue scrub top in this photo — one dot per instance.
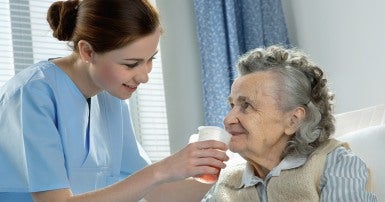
[45, 142]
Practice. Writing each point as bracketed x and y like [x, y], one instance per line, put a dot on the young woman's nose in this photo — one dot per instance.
[143, 72]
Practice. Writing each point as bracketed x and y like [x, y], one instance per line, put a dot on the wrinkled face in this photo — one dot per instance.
[256, 124]
[120, 71]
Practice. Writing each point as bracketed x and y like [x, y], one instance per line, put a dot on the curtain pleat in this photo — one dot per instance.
[227, 29]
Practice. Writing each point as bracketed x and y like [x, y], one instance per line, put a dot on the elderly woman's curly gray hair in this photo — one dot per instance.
[300, 83]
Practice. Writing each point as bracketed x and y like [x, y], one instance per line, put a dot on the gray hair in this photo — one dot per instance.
[300, 83]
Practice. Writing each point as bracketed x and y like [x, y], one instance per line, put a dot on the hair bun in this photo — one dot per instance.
[61, 17]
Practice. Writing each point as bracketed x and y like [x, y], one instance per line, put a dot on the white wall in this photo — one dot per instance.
[182, 71]
[346, 38]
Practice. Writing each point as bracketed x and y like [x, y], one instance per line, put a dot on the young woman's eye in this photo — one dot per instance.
[132, 65]
[150, 60]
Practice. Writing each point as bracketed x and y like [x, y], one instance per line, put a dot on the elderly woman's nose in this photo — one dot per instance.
[230, 118]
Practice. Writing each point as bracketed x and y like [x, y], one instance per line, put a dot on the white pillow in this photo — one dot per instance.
[369, 144]
[358, 119]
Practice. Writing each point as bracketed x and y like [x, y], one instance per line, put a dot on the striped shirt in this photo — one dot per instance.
[344, 178]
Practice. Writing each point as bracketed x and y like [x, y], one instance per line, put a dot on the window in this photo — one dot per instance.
[26, 38]
[6, 56]
[148, 109]
[150, 120]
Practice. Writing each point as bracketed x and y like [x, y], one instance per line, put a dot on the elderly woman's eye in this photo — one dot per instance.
[231, 105]
[245, 105]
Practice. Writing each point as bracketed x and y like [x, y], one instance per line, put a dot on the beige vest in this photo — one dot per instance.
[299, 184]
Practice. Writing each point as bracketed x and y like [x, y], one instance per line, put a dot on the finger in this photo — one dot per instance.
[207, 161]
[212, 162]
[206, 170]
[213, 153]
[213, 144]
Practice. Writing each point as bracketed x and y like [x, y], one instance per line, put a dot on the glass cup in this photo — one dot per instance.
[210, 133]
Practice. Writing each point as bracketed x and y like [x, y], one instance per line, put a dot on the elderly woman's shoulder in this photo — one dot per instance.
[232, 175]
[330, 145]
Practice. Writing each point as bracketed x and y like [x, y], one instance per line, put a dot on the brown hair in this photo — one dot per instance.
[105, 24]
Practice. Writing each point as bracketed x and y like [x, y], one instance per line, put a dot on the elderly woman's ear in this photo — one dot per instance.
[294, 119]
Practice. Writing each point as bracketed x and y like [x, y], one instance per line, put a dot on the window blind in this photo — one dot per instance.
[44, 44]
[149, 108]
[148, 103]
[26, 38]
[6, 50]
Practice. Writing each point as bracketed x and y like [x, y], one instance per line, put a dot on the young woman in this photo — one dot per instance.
[65, 132]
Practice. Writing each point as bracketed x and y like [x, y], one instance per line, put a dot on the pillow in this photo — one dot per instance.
[369, 144]
[359, 119]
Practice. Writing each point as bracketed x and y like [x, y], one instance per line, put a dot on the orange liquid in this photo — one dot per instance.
[208, 178]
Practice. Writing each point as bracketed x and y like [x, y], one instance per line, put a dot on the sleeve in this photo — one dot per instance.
[31, 154]
[345, 178]
[134, 157]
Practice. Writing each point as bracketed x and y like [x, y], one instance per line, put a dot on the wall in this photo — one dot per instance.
[181, 69]
[346, 38]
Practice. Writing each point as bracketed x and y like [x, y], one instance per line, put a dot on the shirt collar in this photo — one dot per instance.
[289, 162]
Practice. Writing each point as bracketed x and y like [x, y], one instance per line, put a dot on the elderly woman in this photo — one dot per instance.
[281, 122]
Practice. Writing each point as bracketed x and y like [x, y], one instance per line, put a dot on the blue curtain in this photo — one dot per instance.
[226, 29]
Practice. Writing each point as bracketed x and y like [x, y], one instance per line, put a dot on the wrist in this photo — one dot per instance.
[159, 172]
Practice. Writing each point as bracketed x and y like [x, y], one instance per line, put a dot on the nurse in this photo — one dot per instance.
[65, 131]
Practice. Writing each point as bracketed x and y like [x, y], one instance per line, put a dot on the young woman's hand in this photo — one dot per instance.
[195, 159]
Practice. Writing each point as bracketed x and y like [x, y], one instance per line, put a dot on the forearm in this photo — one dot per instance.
[187, 190]
[133, 188]
[195, 159]
[151, 187]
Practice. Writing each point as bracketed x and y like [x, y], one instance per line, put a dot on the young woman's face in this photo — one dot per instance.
[120, 71]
